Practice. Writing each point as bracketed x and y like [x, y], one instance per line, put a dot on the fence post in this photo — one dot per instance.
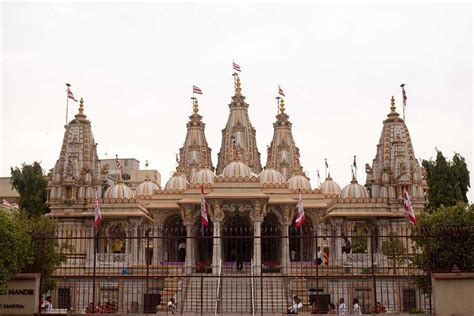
[94, 240]
[374, 279]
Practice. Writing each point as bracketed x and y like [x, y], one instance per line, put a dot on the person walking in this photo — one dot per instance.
[341, 307]
[356, 307]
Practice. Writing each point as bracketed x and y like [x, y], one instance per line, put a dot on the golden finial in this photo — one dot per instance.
[81, 106]
[282, 106]
[238, 89]
[195, 106]
[392, 102]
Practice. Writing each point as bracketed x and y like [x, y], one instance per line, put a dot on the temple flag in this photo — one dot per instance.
[70, 95]
[280, 91]
[408, 208]
[98, 214]
[204, 218]
[300, 214]
[197, 90]
[236, 66]
[6, 204]
[404, 94]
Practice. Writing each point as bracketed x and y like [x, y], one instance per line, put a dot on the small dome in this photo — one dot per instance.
[354, 190]
[237, 169]
[203, 176]
[271, 176]
[299, 182]
[177, 182]
[147, 187]
[119, 191]
[330, 186]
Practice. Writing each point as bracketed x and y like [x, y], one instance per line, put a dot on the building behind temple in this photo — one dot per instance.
[251, 208]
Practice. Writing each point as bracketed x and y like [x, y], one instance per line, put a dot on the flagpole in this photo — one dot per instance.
[404, 113]
[94, 268]
[67, 100]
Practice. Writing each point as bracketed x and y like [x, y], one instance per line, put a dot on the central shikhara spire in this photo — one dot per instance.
[239, 135]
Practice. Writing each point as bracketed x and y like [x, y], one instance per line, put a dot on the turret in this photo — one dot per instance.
[239, 134]
[283, 155]
[195, 153]
[394, 166]
[76, 173]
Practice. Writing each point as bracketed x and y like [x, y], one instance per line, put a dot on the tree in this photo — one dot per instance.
[47, 254]
[443, 239]
[394, 250]
[359, 240]
[448, 181]
[15, 245]
[31, 184]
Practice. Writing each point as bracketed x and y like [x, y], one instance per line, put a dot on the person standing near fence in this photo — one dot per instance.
[356, 307]
[341, 307]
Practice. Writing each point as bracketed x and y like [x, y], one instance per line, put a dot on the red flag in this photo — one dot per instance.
[98, 215]
[404, 94]
[197, 90]
[119, 165]
[280, 92]
[204, 218]
[69, 92]
[236, 66]
[300, 214]
[408, 208]
[6, 204]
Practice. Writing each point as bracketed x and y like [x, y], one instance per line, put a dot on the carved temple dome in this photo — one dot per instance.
[270, 175]
[119, 190]
[354, 190]
[329, 186]
[204, 176]
[147, 187]
[299, 182]
[177, 182]
[237, 169]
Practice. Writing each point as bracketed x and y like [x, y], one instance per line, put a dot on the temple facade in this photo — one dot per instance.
[243, 200]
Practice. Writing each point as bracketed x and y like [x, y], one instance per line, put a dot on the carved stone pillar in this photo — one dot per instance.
[217, 215]
[187, 215]
[337, 224]
[287, 212]
[257, 218]
[216, 247]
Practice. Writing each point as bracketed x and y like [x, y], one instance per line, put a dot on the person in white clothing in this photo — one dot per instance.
[47, 305]
[296, 306]
[341, 307]
[356, 307]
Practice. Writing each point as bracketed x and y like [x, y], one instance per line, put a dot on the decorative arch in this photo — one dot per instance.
[174, 238]
[302, 240]
[271, 240]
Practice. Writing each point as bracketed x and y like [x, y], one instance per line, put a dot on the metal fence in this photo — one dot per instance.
[124, 270]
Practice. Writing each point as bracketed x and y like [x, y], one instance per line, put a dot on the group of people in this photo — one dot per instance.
[106, 308]
[340, 309]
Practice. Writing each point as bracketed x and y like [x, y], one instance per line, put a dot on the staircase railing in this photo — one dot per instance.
[252, 287]
[218, 288]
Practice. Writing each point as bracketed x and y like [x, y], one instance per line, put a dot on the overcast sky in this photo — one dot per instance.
[135, 65]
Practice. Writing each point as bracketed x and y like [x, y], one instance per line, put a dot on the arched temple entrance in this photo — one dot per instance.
[271, 239]
[174, 239]
[302, 241]
[237, 239]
